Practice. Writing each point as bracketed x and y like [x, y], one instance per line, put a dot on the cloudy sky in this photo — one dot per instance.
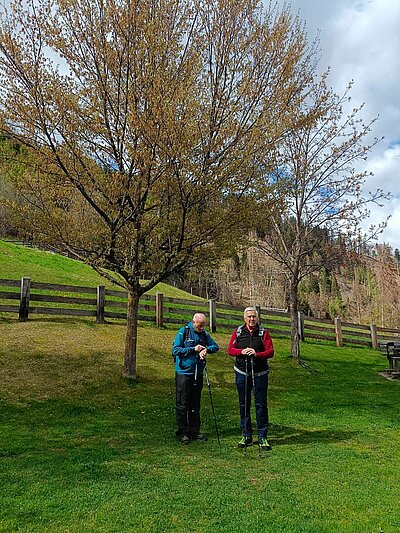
[360, 41]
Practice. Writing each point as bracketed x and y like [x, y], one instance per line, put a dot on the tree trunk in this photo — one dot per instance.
[131, 334]
[294, 335]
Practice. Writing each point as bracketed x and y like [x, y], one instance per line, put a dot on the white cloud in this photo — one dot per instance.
[360, 41]
[392, 231]
[386, 169]
[366, 49]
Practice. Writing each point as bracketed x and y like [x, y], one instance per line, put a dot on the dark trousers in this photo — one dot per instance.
[245, 386]
[188, 397]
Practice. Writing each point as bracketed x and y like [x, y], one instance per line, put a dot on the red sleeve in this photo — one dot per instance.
[268, 346]
[234, 352]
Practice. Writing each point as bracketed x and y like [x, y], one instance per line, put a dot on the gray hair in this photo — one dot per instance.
[254, 309]
[199, 316]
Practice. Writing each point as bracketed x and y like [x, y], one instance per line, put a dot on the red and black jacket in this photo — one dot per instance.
[258, 339]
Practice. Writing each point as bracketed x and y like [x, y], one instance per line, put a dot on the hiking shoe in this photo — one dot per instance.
[264, 444]
[184, 439]
[201, 437]
[245, 442]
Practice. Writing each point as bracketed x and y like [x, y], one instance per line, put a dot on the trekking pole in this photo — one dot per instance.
[245, 409]
[255, 405]
[212, 405]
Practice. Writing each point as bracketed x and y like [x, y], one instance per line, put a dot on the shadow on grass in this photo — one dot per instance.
[281, 435]
[285, 435]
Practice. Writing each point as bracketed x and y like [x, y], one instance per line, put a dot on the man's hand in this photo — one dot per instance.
[248, 351]
[199, 348]
[203, 354]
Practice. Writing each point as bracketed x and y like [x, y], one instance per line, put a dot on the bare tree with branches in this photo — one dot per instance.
[324, 200]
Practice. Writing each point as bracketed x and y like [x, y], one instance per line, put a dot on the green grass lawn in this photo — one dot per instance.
[81, 450]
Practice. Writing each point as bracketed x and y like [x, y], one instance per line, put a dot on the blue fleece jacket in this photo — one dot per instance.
[183, 349]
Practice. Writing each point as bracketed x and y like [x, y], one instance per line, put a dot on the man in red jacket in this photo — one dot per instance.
[252, 347]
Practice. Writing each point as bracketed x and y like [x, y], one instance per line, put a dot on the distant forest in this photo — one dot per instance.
[362, 287]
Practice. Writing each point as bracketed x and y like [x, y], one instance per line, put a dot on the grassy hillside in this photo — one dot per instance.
[83, 451]
[46, 267]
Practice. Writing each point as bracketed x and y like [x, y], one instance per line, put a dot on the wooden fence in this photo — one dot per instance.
[26, 298]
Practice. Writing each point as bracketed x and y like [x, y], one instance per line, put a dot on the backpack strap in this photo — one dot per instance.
[186, 333]
[261, 332]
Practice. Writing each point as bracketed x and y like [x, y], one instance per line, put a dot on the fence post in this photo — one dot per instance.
[159, 309]
[338, 331]
[300, 318]
[213, 316]
[101, 303]
[374, 336]
[258, 309]
[24, 299]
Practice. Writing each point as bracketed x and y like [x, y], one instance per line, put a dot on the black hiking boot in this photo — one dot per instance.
[184, 439]
[264, 445]
[200, 437]
[245, 442]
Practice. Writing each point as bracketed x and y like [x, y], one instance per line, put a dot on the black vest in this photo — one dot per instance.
[248, 340]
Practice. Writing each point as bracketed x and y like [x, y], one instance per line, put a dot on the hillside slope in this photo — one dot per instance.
[17, 261]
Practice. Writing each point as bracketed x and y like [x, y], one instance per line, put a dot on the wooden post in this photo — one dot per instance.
[213, 316]
[258, 308]
[24, 301]
[101, 303]
[159, 309]
[300, 318]
[338, 331]
[374, 336]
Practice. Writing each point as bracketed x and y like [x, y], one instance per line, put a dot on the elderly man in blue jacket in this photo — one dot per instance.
[191, 346]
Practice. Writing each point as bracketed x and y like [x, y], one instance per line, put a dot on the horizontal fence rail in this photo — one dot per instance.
[27, 298]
